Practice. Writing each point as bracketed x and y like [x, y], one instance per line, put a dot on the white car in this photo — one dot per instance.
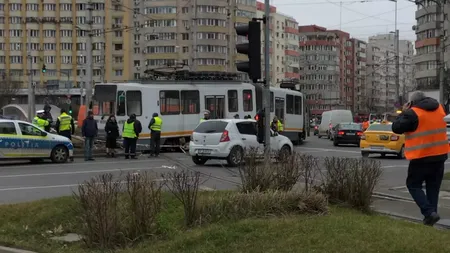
[22, 140]
[226, 139]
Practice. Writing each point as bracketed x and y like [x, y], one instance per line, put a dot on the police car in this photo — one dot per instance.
[22, 140]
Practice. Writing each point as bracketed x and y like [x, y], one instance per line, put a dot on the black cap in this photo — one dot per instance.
[155, 114]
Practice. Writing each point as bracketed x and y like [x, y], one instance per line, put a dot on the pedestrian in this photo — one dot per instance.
[65, 125]
[155, 127]
[426, 148]
[206, 116]
[89, 130]
[130, 133]
[112, 133]
[39, 120]
[236, 116]
[48, 116]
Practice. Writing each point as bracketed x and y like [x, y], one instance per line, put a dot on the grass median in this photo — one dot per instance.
[30, 226]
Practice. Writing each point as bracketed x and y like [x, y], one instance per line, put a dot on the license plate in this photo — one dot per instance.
[204, 151]
[384, 137]
[350, 133]
[376, 147]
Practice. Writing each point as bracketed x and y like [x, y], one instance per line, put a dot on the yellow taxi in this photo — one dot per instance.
[379, 139]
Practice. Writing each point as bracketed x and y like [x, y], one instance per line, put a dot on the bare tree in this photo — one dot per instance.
[8, 89]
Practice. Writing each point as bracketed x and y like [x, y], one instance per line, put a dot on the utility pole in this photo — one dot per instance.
[89, 81]
[397, 66]
[31, 87]
[267, 77]
[194, 35]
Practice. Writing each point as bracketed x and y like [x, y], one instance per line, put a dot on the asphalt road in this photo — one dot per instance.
[20, 182]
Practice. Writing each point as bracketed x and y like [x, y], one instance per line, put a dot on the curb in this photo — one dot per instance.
[409, 218]
[97, 155]
[12, 250]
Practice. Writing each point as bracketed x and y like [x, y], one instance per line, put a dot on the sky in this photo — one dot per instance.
[359, 18]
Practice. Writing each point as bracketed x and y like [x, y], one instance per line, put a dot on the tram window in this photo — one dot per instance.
[190, 102]
[169, 102]
[233, 102]
[120, 103]
[248, 100]
[134, 102]
[289, 104]
[272, 103]
[298, 105]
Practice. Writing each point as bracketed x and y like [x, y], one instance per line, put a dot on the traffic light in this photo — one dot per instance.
[70, 109]
[252, 49]
[44, 68]
[261, 129]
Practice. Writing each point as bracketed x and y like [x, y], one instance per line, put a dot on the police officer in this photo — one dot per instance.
[48, 116]
[39, 121]
[65, 125]
[206, 116]
[155, 127]
[426, 148]
[130, 133]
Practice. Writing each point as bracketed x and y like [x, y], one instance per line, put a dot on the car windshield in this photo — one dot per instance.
[380, 127]
[350, 127]
[208, 127]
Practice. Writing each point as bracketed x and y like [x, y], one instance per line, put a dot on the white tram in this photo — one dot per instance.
[181, 105]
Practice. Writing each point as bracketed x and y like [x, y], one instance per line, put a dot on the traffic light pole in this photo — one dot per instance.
[267, 103]
[89, 81]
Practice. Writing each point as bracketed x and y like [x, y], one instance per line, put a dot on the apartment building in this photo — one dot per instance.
[129, 37]
[381, 71]
[284, 49]
[358, 74]
[427, 60]
[322, 64]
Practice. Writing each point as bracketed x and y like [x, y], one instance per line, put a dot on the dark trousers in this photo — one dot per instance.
[431, 173]
[130, 147]
[155, 142]
[66, 133]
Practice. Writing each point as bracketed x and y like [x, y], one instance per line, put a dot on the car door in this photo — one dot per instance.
[275, 141]
[35, 142]
[247, 131]
[9, 140]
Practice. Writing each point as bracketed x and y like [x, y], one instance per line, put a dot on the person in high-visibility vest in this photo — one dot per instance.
[65, 125]
[130, 134]
[365, 125]
[426, 147]
[39, 121]
[206, 116]
[277, 125]
[155, 127]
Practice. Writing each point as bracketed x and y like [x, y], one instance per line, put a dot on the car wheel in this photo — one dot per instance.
[236, 156]
[365, 154]
[401, 154]
[60, 154]
[335, 143]
[199, 160]
[284, 153]
[318, 136]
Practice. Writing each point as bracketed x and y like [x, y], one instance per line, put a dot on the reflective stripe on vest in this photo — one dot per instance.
[65, 122]
[128, 130]
[430, 137]
[157, 125]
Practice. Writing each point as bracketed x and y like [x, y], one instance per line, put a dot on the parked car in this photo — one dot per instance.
[227, 139]
[22, 140]
[347, 133]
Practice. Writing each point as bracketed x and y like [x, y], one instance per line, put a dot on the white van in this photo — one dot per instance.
[331, 119]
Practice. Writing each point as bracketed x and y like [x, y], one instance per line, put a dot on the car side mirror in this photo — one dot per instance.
[274, 134]
[43, 134]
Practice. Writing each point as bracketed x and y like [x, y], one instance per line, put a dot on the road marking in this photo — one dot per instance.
[6, 166]
[79, 172]
[334, 150]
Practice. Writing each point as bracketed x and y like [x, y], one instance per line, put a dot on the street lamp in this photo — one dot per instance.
[397, 57]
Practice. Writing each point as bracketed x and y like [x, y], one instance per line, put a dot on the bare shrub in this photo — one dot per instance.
[287, 172]
[351, 181]
[255, 176]
[144, 194]
[99, 211]
[309, 172]
[184, 186]
[237, 205]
